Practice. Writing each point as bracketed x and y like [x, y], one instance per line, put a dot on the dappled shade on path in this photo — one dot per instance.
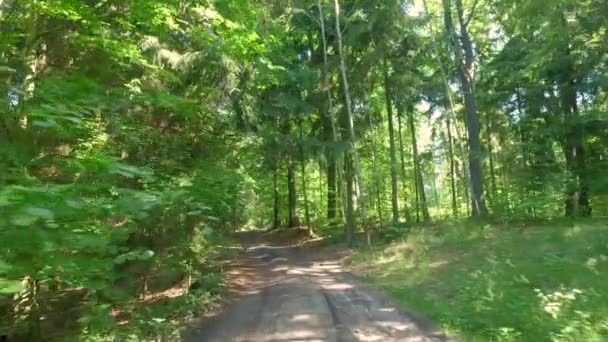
[301, 294]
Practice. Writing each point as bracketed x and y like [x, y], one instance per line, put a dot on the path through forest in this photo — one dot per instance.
[284, 293]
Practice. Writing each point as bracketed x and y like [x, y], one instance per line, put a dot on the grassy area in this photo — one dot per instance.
[499, 283]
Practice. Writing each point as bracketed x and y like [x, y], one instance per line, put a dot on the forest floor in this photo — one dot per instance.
[301, 292]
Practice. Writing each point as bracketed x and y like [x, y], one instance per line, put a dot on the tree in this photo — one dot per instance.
[350, 123]
[391, 133]
[333, 179]
[465, 67]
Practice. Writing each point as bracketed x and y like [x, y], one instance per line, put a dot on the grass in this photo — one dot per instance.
[499, 283]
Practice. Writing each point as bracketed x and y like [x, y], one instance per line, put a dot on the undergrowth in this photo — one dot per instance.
[498, 283]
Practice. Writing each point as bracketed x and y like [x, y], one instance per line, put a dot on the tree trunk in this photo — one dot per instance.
[577, 202]
[334, 179]
[493, 188]
[377, 182]
[350, 123]
[303, 176]
[464, 66]
[408, 217]
[458, 137]
[350, 203]
[331, 191]
[322, 190]
[421, 204]
[306, 207]
[434, 173]
[452, 170]
[391, 135]
[377, 174]
[380, 208]
[277, 220]
[293, 196]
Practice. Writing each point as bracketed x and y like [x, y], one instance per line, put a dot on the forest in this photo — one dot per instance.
[137, 136]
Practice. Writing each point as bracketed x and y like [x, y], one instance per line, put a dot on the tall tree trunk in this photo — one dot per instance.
[453, 118]
[350, 124]
[277, 220]
[408, 217]
[523, 144]
[418, 179]
[380, 207]
[320, 190]
[493, 188]
[303, 177]
[577, 202]
[331, 190]
[452, 169]
[452, 111]
[306, 206]
[577, 194]
[377, 177]
[377, 183]
[391, 135]
[435, 192]
[464, 66]
[349, 213]
[293, 196]
[334, 170]
[377, 174]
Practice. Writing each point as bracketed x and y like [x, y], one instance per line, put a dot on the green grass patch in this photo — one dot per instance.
[499, 283]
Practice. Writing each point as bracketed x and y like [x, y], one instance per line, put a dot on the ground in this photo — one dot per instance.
[302, 293]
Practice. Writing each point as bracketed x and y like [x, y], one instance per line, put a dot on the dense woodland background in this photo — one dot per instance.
[134, 134]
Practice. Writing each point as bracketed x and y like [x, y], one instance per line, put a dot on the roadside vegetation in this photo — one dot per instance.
[498, 283]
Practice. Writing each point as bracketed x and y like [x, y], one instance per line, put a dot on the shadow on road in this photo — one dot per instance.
[287, 293]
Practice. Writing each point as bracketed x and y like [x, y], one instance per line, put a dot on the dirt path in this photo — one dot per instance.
[303, 294]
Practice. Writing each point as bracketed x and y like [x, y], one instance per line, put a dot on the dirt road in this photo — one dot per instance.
[303, 294]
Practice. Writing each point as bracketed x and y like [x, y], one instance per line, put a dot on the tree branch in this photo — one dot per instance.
[471, 14]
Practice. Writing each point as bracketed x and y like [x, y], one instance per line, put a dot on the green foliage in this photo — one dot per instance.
[113, 163]
[134, 134]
